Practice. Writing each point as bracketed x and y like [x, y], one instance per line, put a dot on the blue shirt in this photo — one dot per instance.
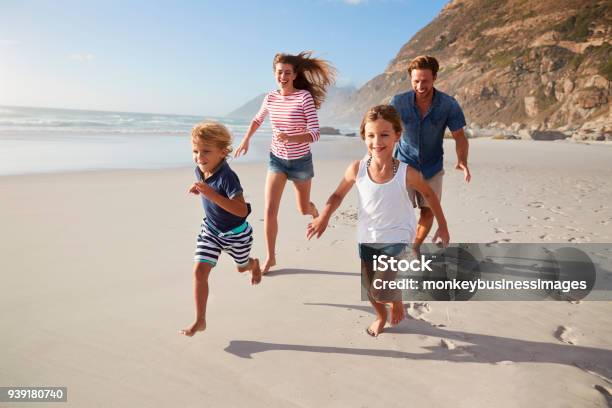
[225, 182]
[421, 143]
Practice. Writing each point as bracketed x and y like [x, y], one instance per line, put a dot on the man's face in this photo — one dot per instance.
[422, 82]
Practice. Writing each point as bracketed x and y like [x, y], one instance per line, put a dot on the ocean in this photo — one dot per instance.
[41, 140]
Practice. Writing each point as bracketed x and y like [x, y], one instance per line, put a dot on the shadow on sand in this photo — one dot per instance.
[296, 271]
[481, 348]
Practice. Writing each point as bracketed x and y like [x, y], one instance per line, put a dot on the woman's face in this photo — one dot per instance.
[285, 75]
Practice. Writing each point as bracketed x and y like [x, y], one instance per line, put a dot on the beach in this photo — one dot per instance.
[96, 275]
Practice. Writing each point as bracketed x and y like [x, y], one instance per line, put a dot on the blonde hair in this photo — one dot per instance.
[213, 133]
[385, 112]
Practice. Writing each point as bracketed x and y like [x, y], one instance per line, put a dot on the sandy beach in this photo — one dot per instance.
[96, 281]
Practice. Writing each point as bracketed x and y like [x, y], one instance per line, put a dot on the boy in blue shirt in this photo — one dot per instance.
[224, 227]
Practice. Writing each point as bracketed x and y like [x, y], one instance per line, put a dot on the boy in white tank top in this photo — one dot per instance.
[386, 220]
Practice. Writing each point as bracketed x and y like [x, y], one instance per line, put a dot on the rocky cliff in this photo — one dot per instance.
[512, 64]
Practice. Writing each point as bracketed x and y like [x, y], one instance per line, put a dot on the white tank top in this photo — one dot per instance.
[385, 212]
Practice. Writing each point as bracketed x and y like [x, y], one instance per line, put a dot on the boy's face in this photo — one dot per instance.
[207, 156]
[285, 75]
[422, 82]
[380, 138]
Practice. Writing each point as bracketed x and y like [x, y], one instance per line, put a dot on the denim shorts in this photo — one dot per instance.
[296, 170]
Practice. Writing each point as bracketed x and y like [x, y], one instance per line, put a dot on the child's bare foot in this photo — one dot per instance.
[376, 328]
[199, 325]
[255, 271]
[314, 211]
[270, 262]
[397, 312]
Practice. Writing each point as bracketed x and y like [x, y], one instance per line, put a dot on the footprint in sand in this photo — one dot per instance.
[416, 310]
[565, 334]
[549, 219]
[556, 210]
[500, 231]
[495, 219]
[448, 344]
[535, 204]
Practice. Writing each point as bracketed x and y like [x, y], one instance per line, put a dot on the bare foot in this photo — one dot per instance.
[270, 262]
[199, 325]
[255, 272]
[315, 212]
[376, 328]
[397, 312]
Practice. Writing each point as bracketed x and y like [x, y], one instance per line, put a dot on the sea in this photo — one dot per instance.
[44, 140]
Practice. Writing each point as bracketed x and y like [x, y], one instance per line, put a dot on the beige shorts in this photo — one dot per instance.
[436, 185]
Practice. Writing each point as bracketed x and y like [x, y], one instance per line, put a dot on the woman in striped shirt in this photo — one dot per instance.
[302, 82]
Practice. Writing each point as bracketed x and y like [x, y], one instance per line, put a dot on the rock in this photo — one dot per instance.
[568, 86]
[525, 134]
[590, 98]
[531, 108]
[328, 130]
[352, 134]
[548, 135]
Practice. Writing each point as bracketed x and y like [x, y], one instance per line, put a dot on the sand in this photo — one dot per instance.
[96, 282]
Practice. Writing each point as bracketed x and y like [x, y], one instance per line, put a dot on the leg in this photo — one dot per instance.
[378, 325]
[302, 197]
[275, 184]
[201, 271]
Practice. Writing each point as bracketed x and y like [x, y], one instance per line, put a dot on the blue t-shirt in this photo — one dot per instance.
[421, 143]
[225, 182]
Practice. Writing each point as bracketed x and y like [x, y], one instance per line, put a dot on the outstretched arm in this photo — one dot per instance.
[462, 147]
[415, 180]
[319, 225]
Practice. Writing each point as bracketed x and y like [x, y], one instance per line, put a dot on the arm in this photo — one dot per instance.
[236, 205]
[415, 180]
[319, 225]
[243, 148]
[462, 147]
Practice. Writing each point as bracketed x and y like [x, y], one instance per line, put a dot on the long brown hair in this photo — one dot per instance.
[313, 74]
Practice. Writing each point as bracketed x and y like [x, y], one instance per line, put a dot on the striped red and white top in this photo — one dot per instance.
[291, 114]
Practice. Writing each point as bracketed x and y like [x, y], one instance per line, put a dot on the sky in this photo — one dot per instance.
[188, 57]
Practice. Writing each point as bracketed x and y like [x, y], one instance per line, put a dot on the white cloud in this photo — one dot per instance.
[353, 2]
[82, 57]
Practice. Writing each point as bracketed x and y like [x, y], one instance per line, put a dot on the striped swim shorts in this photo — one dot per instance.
[237, 243]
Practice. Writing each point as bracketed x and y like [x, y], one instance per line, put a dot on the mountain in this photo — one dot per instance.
[512, 63]
[337, 99]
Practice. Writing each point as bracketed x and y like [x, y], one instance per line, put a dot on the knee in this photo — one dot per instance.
[271, 211]
[202, 271]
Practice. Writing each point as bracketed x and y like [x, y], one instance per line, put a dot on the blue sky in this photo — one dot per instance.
[188, 57]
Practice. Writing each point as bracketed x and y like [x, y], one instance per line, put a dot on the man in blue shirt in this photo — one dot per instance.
[426, 113]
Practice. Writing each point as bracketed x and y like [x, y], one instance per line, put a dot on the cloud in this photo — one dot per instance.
[82, 57]
[353, 2]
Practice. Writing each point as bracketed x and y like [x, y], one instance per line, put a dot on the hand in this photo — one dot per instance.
[316, 227]
[242, 149]
[283, 137]
[203, 188]
[466, 171]
[193, 189]
[442, 236]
